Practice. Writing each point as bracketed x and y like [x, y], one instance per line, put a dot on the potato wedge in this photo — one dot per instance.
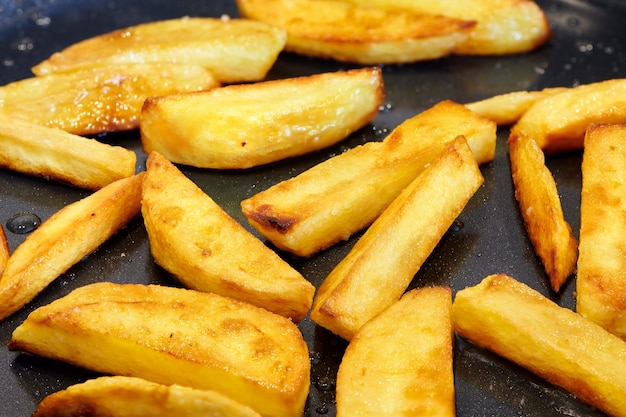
[60, 156]
[64, 239]
[136, 397]
[400, 362]
[382, 264]
[176, 336]
[97, 100]
[331, 201]
[513, 320]
[600, 283]
[207, 250]
[540, 206]
[558, 123]
[234, 50]
[5, 251]
[363, 35]
[294, 116]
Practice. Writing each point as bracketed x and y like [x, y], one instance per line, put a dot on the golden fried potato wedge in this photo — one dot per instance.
[198, 242]
[363, 35]
[65, 238]
[234, 50]
[136, 397]
[540, 206]
[382, 264]
[97, 100]
[5, 251]
[336, 198]
[176, 336]
[60, 156]
[600, 283]
[515, 321]
[400, 362]
[558, 123]
[242, 126]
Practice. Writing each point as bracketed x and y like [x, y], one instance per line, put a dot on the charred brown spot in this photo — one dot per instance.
[265, 217]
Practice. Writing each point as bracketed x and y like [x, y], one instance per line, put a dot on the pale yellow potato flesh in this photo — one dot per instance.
[176, 336]
[246, 125]
[234, 50]
[122, 396]
[65, 238]
[381, 265]
[400, 362]
[515, 321]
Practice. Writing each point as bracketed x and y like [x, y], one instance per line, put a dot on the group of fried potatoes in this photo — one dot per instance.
[228, 344]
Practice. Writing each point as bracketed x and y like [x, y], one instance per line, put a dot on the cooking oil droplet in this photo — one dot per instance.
[322, 409]
[456, 226]
[385, 108]
[315, 357]
[325, 384]
[25, 44]
[22, 223]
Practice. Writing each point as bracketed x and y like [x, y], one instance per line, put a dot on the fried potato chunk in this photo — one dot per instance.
[234, 50]
[97, 100]
[400, 362]
[65, 238]
[540, 206]
[60, 156]
[136, 397]
[515, 321]
[363, 35]
[558, 123]
[192, 237]
[5, 251]
[242, 126]
[342, 195]
[600, 283]
[382, 264]
[176, 336]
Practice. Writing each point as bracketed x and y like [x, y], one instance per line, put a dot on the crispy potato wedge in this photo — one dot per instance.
[5, 251]
[136, 397]
[294, 116]
[65, 238]
[513, 320]
[600, 283]
[540, 206]
[363, 35]
[331, 201]
[60, 156]
[97, 100]
[400, 362]
[234, 50]
[198, 242]
[558, 123]
[382, 264]
[176, 336]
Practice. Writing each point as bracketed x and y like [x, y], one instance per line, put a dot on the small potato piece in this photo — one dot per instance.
[400, 362]
[5, 251]
[511, 319]
[176, 336]
[234, 50]
[111, 396]
[601, 283]
[382, 264]
[65, 238]
[363, 35]
[60, 156]
[242, 126]
[540, 206]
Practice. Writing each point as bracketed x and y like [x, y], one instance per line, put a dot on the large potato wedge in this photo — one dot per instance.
[5, 251]
[336, 198]
[176, 336]
[60, 156]
[400, 362]
[540, 206]
[600, 283]
[234, 50]
[515, 321]
[122, 396]
[241, 126]
[198, 242]
[101, 99]
[363, 35]
[382, 264]
[65, 238]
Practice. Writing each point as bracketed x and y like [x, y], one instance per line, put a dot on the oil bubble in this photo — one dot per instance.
[22, 223]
